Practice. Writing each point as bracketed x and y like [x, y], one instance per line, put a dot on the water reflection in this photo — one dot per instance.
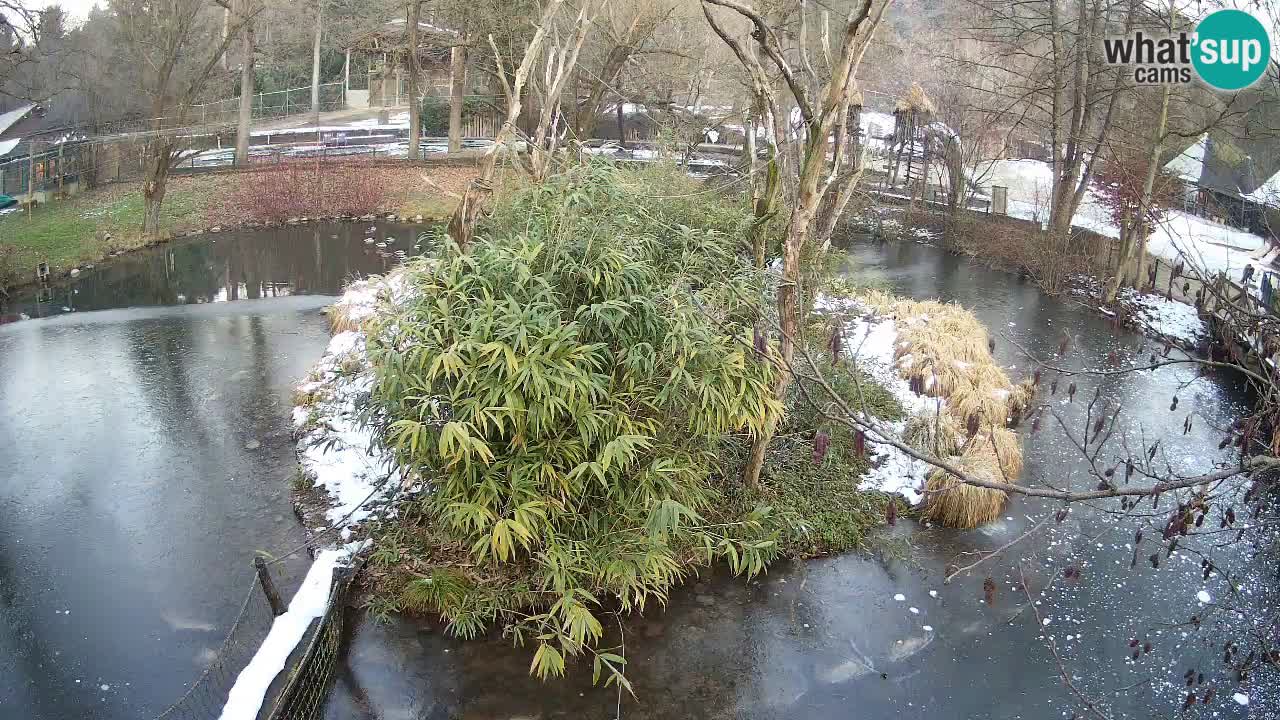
[250, 264]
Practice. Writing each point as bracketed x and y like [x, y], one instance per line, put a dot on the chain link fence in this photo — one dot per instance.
[275, 104]
[306, 686]
[208, 693]
[304, 694]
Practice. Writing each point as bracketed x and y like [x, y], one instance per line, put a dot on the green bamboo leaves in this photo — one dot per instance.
[564, 396]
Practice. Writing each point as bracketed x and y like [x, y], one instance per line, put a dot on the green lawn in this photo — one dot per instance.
[73, 232]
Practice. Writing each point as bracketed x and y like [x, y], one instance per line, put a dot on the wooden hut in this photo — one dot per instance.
[912, 116]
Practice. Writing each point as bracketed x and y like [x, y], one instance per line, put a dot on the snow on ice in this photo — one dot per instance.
[1168, 318]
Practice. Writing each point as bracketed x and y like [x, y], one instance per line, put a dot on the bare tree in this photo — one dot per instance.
[820, 113]
[624, 32]
[175, 48]
[462, 224]
[562, 58]
[20, 44]
[1133, 223]
[1047, 57]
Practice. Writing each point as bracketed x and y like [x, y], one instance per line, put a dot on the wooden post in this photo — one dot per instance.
[346, 74]
[31, 176]
[62, 173]
[268, 587]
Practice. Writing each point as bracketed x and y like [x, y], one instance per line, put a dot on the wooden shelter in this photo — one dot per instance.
[912, 116]
[386, 78]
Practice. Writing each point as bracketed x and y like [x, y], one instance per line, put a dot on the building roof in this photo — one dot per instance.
[1189, 164]
[1268, 193]
[1207, 166]
[11, 118]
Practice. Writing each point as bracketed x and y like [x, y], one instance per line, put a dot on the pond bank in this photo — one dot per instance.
[1168, 314]
[104, 223]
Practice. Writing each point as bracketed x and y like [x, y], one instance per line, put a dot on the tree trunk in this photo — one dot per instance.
[245, 117]
[315, 64]
[1136, 246]
[588, 113]
[833, 204]
[622, 125]
[153, 188]
[765, 202]
[1140, 251]
[808, 198]
[953, 157]
[415, 124]
[226, 27]
[457, 91]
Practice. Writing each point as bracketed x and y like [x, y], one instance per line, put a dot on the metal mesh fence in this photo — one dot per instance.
[304, 694]
[276, 104]
[207, 695]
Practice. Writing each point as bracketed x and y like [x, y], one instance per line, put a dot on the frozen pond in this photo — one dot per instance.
[145, 455]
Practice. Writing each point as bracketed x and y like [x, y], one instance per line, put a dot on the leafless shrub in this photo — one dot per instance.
[306, 188]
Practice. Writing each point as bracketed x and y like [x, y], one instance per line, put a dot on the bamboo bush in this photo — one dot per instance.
[563, 388]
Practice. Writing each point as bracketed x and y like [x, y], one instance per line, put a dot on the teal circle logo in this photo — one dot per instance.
[1232, 50]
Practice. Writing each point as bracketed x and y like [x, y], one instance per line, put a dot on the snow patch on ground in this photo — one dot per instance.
[1167, 318]
[1204, 244]
[339, 451]
[870, 341]
[1030, 184]
[358, 303]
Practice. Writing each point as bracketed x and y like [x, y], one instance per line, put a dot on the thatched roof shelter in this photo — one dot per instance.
[915, 101]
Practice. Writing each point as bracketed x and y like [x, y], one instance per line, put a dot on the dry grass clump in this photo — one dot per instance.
[341, 319]
[940, 434]
[354, 307]
[307, 394]
[944, 352]
[915, 100]
[956, 504]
